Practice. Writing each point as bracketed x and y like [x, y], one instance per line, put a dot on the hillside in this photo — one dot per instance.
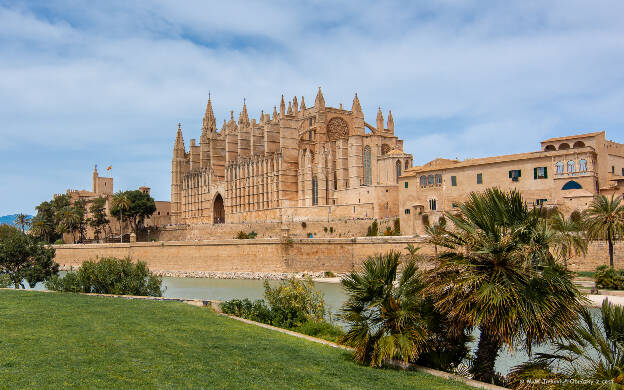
[9, 219]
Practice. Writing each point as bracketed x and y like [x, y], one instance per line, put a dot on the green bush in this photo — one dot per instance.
[241, 235]
[329, 274]
[294, 302]
[244, 308]
[321, 329]
[373, 229]
[331, 229]
[60, 241]
[397, 227]
[609, 278]
[109, 276]
[5, 281]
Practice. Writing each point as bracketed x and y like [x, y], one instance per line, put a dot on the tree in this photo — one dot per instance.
[23, 257]
[43, 224]
[568, 239]
[80, 209]
[98, 219]
[604, 220]
[500, 277]
[120, 205]
[435, 232]
[22, 220]
[68, 221]
[138, 207]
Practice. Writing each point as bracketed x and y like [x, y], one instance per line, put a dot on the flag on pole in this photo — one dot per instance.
[109, 168]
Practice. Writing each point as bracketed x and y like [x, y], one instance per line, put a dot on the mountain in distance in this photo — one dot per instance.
[9, 219]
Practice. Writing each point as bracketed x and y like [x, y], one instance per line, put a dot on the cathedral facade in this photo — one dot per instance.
[299, 164]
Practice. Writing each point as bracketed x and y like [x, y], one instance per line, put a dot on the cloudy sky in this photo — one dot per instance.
[84, 83]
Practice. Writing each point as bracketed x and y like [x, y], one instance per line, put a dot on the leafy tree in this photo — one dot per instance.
[110, 276]
[138, 206]
[69, 220]
[390, 318]
[120, 205]
[98, 219]
[568, 239]
[604, 220]
[294, 302]
[500, 277]
[23, 257]
[46, 224]
[22, 220]
[80, 209]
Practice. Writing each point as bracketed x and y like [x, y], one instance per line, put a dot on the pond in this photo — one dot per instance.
[225, 289]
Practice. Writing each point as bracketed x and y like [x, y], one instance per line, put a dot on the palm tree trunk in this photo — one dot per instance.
[487, 351]
[610, 252]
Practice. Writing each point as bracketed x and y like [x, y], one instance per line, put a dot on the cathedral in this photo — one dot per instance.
[299, 164]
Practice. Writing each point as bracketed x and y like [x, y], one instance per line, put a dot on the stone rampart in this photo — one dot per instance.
[278, 255]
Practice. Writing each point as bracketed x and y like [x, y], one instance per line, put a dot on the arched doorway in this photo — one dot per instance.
[218, 211]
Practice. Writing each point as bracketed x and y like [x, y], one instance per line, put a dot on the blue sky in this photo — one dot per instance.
[84, 83]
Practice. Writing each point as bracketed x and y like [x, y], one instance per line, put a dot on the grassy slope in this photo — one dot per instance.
[54, 340]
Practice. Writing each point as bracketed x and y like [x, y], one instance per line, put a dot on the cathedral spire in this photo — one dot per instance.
[295, 105]
[290, 110]
[320, 100]
[303, 107]
[274, 112]
[282, 107]
[355, 107]
[380, 121]
[178, 147]
[209, 123]
[390, 122]
[243, 118]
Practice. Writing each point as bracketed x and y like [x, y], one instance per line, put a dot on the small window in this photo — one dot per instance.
[540, 202]
[515, 174]
[432, 204]
[479, 178]
[612, 169]
[406, 185]
[423, 181]
[309, 136]
[454, 181]
[430, 180]
[159, 213]
[407, 211]
[438, 179]
[540, 173]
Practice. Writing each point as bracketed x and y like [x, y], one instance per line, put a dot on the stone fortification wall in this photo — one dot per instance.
[277, 255]
[334, 229]
[259, 255]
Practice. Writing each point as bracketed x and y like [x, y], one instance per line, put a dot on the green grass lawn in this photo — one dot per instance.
[60, 340]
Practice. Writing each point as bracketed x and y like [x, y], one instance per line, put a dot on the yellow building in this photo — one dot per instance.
[566, 173]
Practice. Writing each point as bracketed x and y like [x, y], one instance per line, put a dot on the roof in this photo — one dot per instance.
[574, 136]
[441, 163]
[395, 152]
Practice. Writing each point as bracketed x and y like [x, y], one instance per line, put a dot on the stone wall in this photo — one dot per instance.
[259, 255]
[275, 255]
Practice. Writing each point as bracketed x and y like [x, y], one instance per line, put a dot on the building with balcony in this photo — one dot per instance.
[566, 173]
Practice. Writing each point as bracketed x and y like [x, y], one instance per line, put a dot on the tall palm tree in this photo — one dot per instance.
[435, 232]
[22, 220]
[500, 277]
[568, 239]
[39, 228]
[69, 219]
[383, 311]
[604, 220]
[122, 203]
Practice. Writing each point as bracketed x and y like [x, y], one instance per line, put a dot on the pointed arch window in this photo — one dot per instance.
[423, 181]
[368, 177]
[583, 165]
[571, 166]
[559, 168]
[314, 191]
[398, 170]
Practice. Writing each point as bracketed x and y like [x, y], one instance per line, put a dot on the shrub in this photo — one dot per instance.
[331, 229]
[609, 278]
[373, 229]
[397, 227]
[109, 276]
[389, 231]
[294, 302]
[60, 241]
[5, 281]
[425, 219]
[321, 329]
[241, 235]
[325, 229]
[252, 234]
[255, 311]
[329, 274]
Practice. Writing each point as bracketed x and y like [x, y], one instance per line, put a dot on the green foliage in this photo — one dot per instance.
[609, 278]
[390, 318]
[5, 281]
[397, 227]
[593, 351]
[60, 241]
[46, 224]
[321, 329]
[244, 308]
[109, 276]
[373, 229]
[329, 274]
[241, 235]
[388, 231]
[131, 344]
[500, 276]
[23, 257]
[23, 221]
[331, 229]
[135, 206]
[568, 239]
[325, 229]
[98, 219]
[294, 302]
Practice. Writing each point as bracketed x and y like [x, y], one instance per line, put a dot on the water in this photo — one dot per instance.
[225, 289]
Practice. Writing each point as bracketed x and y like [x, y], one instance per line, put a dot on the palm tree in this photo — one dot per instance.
[69, 219]
[568, 239]
[121, 203]
[383, 311]
[436, 233]
[604, 220]
[39, 228]
[22, 220]
[594, 351]
[500, 277]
